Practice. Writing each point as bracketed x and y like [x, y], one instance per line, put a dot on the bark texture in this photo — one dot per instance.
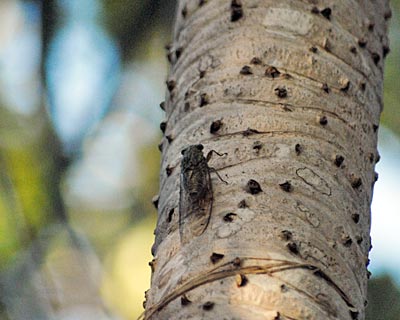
[290, 93]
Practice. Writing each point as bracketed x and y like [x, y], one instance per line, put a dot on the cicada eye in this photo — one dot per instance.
[200, 147]
[183, 151]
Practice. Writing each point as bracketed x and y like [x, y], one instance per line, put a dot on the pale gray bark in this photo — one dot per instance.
[292, 92]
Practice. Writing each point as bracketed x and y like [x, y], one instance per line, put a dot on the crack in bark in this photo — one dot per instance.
[295, 133]
[249, 39]
[340, 148]
[366, 112]
[261, 102]
[284, 132]
[234, 267]
[314, 180]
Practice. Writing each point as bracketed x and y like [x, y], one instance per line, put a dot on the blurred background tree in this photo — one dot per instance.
[80, 82]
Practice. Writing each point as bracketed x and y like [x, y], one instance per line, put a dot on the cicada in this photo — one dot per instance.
[196, 193]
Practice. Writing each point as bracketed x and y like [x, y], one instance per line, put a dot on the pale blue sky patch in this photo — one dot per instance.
[83, 73]
[20, 56]
[385, 231]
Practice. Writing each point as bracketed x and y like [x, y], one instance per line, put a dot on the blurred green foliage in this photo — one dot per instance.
[131, 22]
[31, 169]
[383, 299]
[391, 113]
[149, 164]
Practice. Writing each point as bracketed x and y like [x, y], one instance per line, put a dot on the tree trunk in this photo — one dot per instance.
[289, 93]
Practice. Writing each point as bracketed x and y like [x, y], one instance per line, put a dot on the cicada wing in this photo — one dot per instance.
[195, 210]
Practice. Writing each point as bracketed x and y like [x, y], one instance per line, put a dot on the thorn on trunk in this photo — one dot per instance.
[169, 170]
[338, 160]
[298, 148]
[163, 126]
[286, 235]
[236, 10]
[253, 187]
[185, 300]
[293, 248]
[355, 181]
[171, 85]
[208, 306]
[184, 11]
[375, 57]
[362, 43]
[170, 214]
[281, 92]
[256, 61]
[286, 186]
[388, 14]
[354, 314]
[272, 72]
[154, 200]
[152, 265]
[215, 126]
[178, 53]
[257, 146]
[327, 13]
[345, 240]
[229, 217]
[323, 120]
[241, 280]
[246, 70]
[242, 204]
[371, 26]
[203, 99]
[215, 257]
[346, 86]
[237, 262]
[162, 105]
[355, 217]
[385, 51]
[325, 87]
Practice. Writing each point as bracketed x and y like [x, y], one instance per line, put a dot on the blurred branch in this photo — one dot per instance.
[49, 23]
[383, 299]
